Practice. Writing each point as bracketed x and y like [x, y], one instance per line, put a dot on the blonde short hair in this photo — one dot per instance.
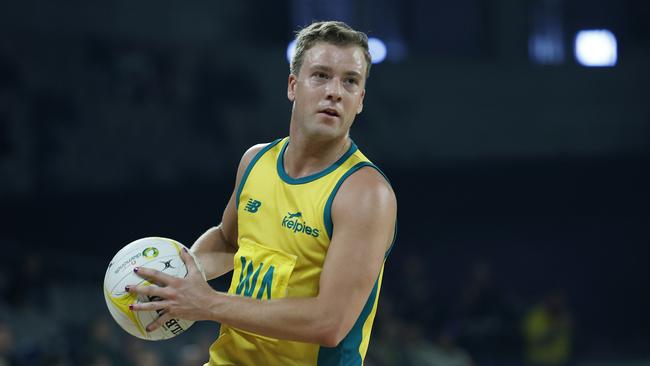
[333, 32]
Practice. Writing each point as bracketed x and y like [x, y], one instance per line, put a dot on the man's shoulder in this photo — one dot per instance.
[366, 201]
[366, 184]
[368, 178]
[254, 150]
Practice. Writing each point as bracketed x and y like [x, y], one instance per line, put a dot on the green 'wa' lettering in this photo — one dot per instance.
[248, 279]
[267, 283]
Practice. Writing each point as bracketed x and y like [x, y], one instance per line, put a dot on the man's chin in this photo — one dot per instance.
[323, 132]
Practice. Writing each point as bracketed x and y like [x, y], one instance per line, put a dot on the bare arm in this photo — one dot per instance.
[217, 246]
[363, 214]
[215, 252]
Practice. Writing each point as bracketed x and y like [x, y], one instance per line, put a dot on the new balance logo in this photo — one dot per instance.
[252, 206]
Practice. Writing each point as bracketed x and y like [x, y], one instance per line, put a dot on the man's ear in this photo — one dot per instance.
[291, 87]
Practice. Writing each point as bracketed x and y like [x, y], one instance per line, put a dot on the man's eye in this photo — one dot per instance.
[320, 75]
[352, 81]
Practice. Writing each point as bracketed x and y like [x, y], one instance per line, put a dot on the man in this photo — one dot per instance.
[309, 224]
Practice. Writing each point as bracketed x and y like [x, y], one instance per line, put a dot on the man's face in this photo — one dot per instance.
[328, 92]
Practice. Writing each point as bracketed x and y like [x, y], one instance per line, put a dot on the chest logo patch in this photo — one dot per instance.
[295, 223]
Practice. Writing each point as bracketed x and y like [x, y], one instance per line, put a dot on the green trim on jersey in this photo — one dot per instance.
[327, 213]
[347, 352]
[250, 167]
[287, 179]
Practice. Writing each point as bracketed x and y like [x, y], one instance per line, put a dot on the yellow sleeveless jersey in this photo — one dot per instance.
[284, 232]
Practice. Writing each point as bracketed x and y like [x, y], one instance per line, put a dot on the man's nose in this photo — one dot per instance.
[334, 89]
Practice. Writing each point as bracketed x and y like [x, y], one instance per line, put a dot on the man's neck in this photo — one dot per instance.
[304, 156]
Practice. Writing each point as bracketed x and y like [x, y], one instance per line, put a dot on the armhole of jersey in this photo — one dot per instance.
[252, 163]
[327, 214]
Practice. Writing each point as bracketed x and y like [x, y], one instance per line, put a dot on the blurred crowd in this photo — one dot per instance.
[476, 323]
[65, 107]
[50, 318]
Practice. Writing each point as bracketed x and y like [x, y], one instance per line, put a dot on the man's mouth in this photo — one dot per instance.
[330, 112]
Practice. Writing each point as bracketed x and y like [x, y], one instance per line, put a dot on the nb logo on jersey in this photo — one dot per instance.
[291, 221]
[249, 276]
[252, 205]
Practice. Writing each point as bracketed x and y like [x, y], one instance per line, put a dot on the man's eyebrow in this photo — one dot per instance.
[321, 67]
[329, 69]
[353, 73]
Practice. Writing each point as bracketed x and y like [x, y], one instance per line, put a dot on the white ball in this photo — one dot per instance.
[161, 254]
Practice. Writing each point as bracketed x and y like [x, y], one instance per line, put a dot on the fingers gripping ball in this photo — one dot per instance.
[161, 254]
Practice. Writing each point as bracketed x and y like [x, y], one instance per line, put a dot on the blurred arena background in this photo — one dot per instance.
[522, 174]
